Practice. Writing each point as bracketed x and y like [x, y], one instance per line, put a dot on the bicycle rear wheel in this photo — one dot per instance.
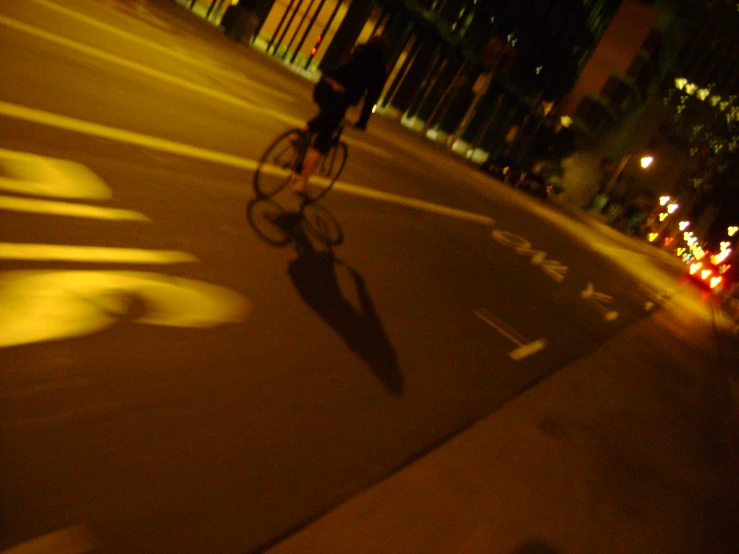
[328, 171]
[279, 163]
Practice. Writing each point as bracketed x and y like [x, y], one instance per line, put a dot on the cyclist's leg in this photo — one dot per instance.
[323, 127]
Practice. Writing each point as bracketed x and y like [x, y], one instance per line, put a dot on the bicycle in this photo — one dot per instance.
[278, 226]
[282, 162]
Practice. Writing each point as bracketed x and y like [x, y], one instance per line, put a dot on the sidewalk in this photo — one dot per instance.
[632, 449]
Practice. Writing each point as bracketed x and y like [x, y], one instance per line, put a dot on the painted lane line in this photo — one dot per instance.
[180, 149]
[179, 55]
[120, 135]
[506, 330]
[526, 347]
[413, 203]
[52, 207]
[95, 254]
[135, 66]
[156, 74]
[71, 540]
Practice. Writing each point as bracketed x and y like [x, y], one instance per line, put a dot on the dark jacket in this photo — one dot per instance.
[363, 74]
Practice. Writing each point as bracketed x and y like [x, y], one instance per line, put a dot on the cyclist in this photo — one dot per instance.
[362, 75]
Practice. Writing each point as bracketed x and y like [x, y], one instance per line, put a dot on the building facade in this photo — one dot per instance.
[463, 71]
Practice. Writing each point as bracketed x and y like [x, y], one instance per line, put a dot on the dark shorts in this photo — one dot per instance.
[333, 107]
[324, 125]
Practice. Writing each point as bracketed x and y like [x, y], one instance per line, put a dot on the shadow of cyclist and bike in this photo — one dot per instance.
[313, 232]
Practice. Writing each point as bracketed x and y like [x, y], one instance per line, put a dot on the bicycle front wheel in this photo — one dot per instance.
[279, 163]
[328, 171]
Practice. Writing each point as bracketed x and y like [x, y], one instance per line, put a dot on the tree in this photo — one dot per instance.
[706, 126]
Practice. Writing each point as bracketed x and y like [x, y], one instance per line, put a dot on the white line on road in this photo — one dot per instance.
[11, 203]
[71, 540]
[525, 348]
[96, 254]
[135, 66]
[171, 79]
[598, 301]
[413, 203]
[183, 57]
[180, 149]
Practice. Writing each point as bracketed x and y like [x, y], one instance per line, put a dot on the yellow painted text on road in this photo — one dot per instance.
[38, 306]
[36, 175]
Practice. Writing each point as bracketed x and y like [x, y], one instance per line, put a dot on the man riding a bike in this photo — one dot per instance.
[362, 75]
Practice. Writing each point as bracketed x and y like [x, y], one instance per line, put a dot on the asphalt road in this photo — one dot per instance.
[173, 382]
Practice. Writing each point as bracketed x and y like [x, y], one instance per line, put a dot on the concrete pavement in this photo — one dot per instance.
[633, 448]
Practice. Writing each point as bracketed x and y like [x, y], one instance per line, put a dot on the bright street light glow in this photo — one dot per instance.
[733, 230]
[646, 161]
[672, 207]
[718, 258]
[664, 200]
[684, 225]
[663, 216]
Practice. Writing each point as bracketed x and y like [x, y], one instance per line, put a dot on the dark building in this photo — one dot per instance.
[629, 64]
[710, 53]
[466, 70]
[508, 60]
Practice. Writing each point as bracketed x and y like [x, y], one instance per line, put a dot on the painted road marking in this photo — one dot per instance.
[71, 540]
[95, 254]
[171, 79]
[657, 298]
[39, 306]
[43, 176]
[598, 301]
[526, 347]
[135, 66]
[413, 203]
[554, 269]
[50, 207]
[178, 54]
[180, 149]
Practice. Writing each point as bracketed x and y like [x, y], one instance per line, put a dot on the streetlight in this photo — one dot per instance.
[645, 162]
